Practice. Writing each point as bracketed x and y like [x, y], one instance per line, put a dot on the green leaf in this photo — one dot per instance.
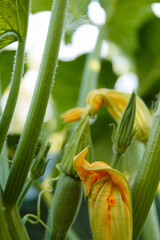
[101, 134]
[68, 79]
[77, 15]
[67, 82]
[41, 5]
[107, 78]
[6, 68]
[148, 60]
[13, 20]
[124, 18]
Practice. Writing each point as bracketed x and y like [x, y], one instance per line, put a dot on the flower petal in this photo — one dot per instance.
[74, 114]
[109, 199]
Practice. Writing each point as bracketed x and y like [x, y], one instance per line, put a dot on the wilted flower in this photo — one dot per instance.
[109, 199]
[115, 102]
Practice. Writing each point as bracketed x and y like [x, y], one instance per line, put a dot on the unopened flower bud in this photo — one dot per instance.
[123, 135]
[39, 163]
[80, 139]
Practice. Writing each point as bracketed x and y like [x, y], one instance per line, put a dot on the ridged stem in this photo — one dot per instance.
[15, 224]
[30, 134]
[4, 231]
[147, 179]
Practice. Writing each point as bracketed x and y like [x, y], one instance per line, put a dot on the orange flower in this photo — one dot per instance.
[115, 102]
[109, 199]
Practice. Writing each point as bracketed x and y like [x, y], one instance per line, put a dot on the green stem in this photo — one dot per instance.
[115, 160]
[91, 71]
[29, 138]
[47, 196]
[4, 232]
[15, 84]
[151, 226]
[4, 166]
[71, 235]
[23, 193]
[13, 94]
[15, 225]
[147, 179]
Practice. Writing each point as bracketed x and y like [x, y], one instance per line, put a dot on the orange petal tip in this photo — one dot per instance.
[74, 114]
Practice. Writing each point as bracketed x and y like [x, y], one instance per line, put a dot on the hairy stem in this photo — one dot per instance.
[30, 135]
[13, 94]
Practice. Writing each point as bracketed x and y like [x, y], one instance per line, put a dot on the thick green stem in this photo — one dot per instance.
[15, 225]
[23, 193]
[151, 227]
[91, 72]
[30, 135]
[4, 232]
[147, 179]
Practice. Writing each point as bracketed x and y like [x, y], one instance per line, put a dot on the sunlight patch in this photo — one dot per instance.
[156, 9]
[96, 13]
[127, 82]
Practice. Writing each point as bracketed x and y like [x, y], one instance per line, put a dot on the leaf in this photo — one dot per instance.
[101, 133]
[13, 20]
[107, 78]
[76, 16]
[41, 5]
[148, 60]
[68, 80]
[6, 68]
[124, 18]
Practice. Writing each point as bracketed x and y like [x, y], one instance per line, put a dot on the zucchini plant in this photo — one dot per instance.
[117, 169]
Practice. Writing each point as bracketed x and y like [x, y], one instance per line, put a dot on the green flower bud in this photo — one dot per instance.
[39, 163]
[80, 139]
[125, 130]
